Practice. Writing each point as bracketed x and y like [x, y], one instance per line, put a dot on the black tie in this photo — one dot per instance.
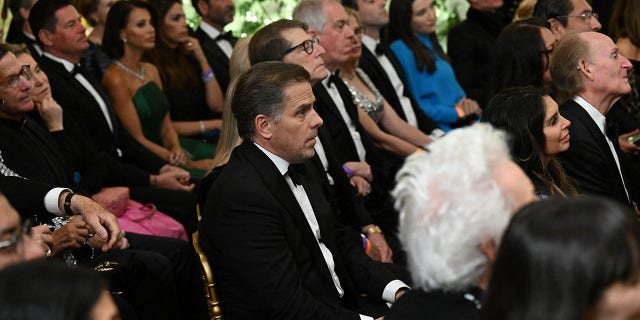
[333, 78]
[379, 49]
[225, 36]
[77, 68]
[295, 171]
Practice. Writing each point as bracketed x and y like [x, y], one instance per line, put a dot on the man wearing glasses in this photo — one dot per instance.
[567, 15]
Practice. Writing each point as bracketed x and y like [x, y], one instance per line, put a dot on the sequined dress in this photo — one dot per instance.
[374, 109]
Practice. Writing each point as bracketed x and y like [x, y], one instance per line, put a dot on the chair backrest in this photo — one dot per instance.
[207, 278]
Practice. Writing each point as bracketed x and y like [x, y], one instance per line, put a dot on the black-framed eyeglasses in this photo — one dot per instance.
[307, 45]
[25, 72]
[586, 16]
[17, 237]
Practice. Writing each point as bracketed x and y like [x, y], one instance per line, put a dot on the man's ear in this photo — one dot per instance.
[556, 27]
[46, 37]
[583, 66]
[262, 124]
[488, 248]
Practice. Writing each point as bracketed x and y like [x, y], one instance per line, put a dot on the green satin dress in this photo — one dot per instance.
[152, 106]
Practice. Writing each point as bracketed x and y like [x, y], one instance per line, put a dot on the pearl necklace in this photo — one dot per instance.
[139, 75]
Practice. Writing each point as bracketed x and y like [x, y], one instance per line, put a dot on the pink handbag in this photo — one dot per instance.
[136, 217]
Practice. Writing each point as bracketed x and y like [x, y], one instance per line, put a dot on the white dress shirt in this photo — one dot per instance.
[213, 33]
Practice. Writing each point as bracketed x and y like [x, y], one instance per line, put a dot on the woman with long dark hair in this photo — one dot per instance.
[522, 53]
[193, 91]
[430, 77]
[537, 134]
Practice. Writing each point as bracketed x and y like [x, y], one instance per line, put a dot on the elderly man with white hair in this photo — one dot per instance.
[455, 202]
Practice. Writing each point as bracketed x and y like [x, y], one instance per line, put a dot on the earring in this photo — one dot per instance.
[124, 40]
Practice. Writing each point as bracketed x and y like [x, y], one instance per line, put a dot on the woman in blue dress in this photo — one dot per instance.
[430, 77]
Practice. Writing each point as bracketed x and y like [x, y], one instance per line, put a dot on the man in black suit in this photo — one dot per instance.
[589, 69]
[20, 31]
[383, 68]
[277, 251]
[89, 117]
[216, 43]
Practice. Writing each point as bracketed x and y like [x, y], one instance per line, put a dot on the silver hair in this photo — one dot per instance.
[449, 203]
[311, 12]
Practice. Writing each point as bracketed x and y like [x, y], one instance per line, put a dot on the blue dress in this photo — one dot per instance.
[436, 93]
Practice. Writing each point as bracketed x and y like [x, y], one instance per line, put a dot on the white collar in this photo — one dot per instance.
[210, 30]
[597, 117]
[370, 43]
[281, 164]
[66, 63]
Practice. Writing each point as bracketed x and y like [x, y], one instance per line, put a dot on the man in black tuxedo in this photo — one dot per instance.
[89, 117]
[20, 31]
[277, 251]
[216, 43]
[383, 68]
[589, 69]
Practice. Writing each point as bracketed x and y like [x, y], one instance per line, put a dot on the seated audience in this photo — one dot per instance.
[278, 251]
[381, 121]
[454, 204]
[90, 119]
[267, 45]
[135, 87]
[537, 133]
[430, 77]
[567, 16]
[522, 53]
[41, 289]
[188, 81]
[567, 259]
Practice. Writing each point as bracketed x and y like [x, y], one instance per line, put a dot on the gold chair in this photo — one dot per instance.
[213, 303]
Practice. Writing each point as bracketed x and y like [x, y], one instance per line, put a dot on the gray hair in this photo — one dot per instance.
[449, 203]
[311, 12]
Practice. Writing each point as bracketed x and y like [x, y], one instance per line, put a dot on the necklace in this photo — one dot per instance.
[139, 75]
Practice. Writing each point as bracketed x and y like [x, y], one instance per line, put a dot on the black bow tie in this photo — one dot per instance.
[77, 68]
[295, 172]
[379, 49]
[225, 36]
[334, 78]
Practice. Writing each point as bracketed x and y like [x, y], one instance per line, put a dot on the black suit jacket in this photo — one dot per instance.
[85, 122]
[26, 196]
[371, 66]
[266, 260]
[218, 61]
[589, 160]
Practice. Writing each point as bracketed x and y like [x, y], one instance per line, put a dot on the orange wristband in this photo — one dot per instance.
[459, 111]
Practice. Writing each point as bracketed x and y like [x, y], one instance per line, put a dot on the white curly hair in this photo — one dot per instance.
[450, 203]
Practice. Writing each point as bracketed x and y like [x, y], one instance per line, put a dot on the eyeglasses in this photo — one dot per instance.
[26, 230]
[586, 16]
[307, 45]
[14, 81]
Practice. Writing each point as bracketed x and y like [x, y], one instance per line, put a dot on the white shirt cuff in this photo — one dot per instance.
[51, 201]
[389, 293]
[363, 317]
